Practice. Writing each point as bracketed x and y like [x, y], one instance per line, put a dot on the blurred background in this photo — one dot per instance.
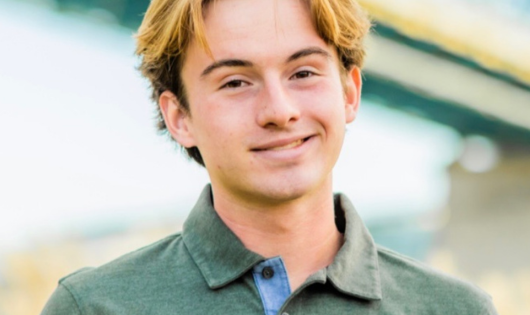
[437, 163]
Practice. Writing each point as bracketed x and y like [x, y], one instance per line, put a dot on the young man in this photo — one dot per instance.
[260, 92]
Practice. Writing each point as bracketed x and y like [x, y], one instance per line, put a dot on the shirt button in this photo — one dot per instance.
[267, 272]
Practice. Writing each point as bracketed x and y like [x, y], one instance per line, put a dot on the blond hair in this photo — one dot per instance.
[170, 25]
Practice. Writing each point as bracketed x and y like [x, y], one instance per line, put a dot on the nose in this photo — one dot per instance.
[277, 108]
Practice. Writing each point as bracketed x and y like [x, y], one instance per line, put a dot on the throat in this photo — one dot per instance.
[303, 234]
[304, 249]
[306, 261]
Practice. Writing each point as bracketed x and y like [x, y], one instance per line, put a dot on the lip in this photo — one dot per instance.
[270, 146]
[291, 154]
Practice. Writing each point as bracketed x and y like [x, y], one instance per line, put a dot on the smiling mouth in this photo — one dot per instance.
[291, 145]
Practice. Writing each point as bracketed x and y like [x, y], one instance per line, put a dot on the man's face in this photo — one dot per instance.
[269, 113]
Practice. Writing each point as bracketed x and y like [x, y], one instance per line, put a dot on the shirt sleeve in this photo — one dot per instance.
[61, 302]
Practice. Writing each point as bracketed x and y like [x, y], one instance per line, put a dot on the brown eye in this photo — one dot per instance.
[302, 74]
[233, 84]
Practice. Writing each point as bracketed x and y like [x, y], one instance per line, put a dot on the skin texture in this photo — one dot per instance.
[268, 114]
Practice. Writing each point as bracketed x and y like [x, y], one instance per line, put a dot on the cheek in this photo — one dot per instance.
[326, 103]
[220, 127]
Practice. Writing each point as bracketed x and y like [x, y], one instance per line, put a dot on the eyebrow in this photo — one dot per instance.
[307, 52]
[226, 63]
[245, 63]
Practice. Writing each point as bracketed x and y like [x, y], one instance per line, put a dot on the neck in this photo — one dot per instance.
[302, 232]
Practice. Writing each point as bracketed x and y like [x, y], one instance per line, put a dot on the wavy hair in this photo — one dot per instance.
[169, 26]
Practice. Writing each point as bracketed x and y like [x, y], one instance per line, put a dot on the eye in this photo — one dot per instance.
[234, 84]
[302, 74]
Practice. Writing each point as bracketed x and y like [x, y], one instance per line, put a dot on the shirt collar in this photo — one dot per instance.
[355, 269]
[222, 257]
[216, 250]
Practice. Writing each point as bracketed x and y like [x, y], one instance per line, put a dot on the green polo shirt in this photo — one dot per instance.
[207, 270]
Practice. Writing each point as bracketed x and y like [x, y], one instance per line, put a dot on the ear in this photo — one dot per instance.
[352, 94]
[177, 119]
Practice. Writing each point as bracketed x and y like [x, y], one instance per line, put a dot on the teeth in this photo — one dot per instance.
[288, 146]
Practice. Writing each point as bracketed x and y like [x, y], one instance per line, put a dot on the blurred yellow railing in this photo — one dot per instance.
[492, 41]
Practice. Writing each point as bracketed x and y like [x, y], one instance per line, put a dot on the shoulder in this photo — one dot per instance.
[148, 261]
[147, 273]
[169, 250]
[406, 279]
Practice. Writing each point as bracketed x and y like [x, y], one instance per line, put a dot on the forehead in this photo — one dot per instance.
[255, 28]
[256, 11]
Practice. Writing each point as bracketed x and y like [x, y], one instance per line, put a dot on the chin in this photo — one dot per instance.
[281, 190]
